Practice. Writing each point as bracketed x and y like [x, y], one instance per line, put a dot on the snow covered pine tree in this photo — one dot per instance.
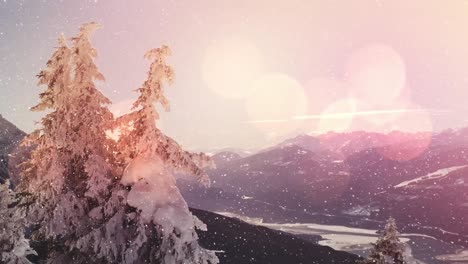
[13, 246]
[69, 172]
[388, 249]
[151, 158]
[90, 206]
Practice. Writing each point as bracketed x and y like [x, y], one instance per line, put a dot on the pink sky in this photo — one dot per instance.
[404, 63]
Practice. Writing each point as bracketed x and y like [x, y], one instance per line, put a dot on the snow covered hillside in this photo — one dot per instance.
[431, 176]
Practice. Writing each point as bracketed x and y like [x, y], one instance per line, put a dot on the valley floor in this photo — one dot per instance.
[421, 248]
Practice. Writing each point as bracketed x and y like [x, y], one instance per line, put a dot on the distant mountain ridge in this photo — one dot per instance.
[10, 137]
[339, 174]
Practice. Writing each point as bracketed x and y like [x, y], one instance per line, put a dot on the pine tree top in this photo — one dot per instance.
[159, 73]
[144, 138]
[391, 231]
[55, 76]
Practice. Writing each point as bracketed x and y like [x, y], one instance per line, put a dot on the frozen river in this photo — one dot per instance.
[420, 248]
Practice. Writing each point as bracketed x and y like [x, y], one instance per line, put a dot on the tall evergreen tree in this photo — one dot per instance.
[151, 158]
[43, 175]
[388, 249]
[69, 172]
[13, 246]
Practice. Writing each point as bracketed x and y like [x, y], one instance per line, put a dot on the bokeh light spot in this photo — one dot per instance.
[376, 74]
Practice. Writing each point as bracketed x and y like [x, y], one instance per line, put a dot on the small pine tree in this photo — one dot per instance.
[388, 249]
[374, 258]
[13, 246]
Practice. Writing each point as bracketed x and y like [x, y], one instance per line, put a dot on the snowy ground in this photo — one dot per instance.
[425, 249]
[460, 256]
[431, 176]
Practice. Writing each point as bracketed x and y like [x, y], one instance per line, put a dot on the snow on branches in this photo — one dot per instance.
[388, 248]
[145, 138]
[13, 246]
[69, 170]
[152, 157]
[100, 200]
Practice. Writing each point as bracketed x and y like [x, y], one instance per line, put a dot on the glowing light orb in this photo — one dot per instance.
[338, 116]
[230, 65]
[376, 73]
[274, 102]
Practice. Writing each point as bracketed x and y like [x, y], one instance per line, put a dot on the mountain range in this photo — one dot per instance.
[10, 137]
[355, 179]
